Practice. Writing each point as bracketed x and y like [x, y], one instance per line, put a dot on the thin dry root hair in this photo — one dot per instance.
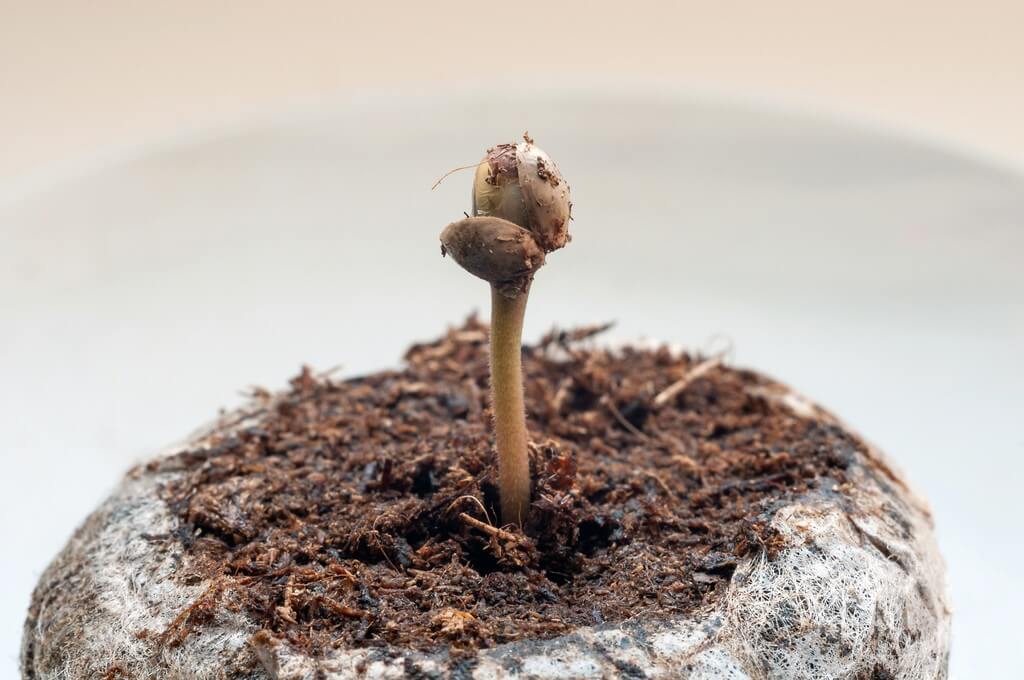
[455, 170]
[476, 500]
[465, 167]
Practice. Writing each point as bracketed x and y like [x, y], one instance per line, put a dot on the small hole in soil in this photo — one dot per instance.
[401, 553]
[491, 501]
[456, 403]
[481, 559]
[582, 399]
[635, 412]
[424, 482]
[559, 571]
[595, 533]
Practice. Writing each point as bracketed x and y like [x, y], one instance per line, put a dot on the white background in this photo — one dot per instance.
[79, 78]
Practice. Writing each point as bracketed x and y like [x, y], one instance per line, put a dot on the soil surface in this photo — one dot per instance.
[362, 512]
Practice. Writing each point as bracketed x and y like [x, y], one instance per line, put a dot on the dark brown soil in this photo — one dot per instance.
[361, 512]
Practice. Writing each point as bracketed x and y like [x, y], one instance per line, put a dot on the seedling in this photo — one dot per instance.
[521, 212]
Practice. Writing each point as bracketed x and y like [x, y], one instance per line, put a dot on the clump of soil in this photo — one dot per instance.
[362, 512]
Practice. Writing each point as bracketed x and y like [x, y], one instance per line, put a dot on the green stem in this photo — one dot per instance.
[509, 409]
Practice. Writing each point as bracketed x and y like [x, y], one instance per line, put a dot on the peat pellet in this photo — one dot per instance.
[689, 520]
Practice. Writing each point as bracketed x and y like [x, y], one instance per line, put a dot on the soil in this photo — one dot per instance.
[362, 512]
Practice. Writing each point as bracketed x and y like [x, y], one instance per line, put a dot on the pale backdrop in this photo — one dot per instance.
[79, 80]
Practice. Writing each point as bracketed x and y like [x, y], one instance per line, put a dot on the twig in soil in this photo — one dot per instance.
[673, 390]
[757, 484]
[661, 482]
[613, 409]
[241, 418]
[328, 372]
[689, 464]
[288, 590]
[564, 338]
[561, 395]
[487, 528]
[195, 613]
[341, 609]
[342, 571]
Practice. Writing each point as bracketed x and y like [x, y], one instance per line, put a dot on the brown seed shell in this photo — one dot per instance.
[495, 250]
[546, 195]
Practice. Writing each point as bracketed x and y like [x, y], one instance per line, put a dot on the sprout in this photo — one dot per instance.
[521, 211]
